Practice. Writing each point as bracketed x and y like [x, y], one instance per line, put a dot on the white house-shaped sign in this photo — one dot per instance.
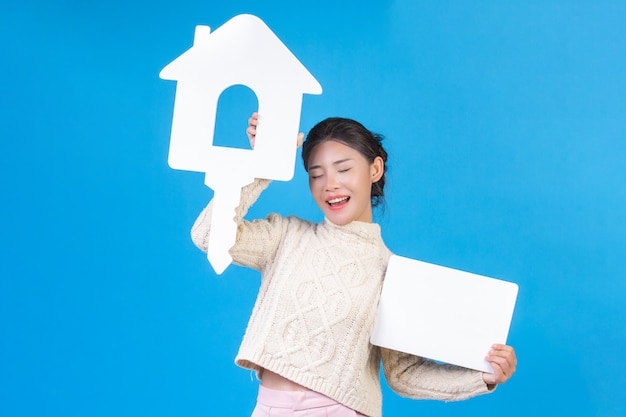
[244, 51]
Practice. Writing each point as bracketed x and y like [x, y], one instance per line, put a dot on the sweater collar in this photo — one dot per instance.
[368, 230]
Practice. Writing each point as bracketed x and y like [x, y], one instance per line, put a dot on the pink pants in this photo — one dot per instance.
[273, 403]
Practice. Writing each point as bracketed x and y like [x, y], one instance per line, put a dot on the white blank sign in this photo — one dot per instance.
[443, 314]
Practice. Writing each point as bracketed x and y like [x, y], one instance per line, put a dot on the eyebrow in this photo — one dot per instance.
[334, 163]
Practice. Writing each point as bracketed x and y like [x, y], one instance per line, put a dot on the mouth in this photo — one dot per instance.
[337, 201]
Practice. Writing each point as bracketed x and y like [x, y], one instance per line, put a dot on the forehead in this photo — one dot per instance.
[332, 151]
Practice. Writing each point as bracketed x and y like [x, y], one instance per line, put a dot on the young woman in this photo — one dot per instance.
[308, 335]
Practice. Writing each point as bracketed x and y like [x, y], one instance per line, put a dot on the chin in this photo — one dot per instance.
[338, 220]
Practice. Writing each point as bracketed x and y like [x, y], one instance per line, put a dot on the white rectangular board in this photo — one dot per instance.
[442, 313]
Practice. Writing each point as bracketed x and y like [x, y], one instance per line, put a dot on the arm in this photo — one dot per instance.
[415, 377]
[419, 378]
[201, 228]
[256, 241]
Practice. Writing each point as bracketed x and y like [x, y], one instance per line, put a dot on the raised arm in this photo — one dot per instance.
[201, 228]
[256, 240]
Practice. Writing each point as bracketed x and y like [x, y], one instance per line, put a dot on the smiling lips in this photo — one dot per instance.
[337, 202]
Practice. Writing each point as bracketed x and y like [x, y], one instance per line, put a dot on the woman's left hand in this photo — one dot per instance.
[503, 361]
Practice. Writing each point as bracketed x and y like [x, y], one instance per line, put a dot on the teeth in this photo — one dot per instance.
[337, 200]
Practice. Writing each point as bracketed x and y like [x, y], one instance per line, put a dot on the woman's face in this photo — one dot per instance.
[340, 179]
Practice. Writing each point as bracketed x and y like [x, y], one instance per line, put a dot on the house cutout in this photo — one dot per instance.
[233, 110]
[243, 51]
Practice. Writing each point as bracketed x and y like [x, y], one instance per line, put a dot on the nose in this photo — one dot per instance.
[331, 182]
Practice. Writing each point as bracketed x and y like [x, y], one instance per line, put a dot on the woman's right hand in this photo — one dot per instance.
[253, 122]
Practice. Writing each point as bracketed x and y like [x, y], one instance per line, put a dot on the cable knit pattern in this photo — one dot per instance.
[316, 308]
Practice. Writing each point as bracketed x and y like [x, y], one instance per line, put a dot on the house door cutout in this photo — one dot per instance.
[234, 107]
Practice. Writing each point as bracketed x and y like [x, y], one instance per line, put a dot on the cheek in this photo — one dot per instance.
[313, 187]
[366, 185]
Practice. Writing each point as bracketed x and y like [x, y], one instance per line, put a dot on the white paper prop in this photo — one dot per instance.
[243, 51]
[442, 313]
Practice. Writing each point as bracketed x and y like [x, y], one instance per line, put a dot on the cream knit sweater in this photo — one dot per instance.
[320, 285]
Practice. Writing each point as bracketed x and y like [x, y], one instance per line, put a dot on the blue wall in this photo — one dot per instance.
[506, 125]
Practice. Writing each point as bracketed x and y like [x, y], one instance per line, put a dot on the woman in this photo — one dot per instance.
[308, 335]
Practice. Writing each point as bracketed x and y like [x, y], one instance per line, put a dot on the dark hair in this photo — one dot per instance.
[353, 134]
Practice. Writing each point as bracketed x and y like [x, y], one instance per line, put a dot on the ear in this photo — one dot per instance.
[377, 169]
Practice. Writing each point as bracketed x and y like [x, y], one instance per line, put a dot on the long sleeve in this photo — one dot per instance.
[415, 377]
[201, 228]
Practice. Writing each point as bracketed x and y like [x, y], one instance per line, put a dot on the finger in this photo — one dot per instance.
[300, 139]
[254, 119]
[504, 351]
[251, 132]
[503, 356]
[502, 369]
[489, 378]
[500, 363]
[495, 377]
[502, 348]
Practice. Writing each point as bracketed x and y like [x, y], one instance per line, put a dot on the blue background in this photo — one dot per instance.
[506, 126]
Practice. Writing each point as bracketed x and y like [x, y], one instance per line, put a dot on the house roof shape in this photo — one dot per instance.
[252, 54]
